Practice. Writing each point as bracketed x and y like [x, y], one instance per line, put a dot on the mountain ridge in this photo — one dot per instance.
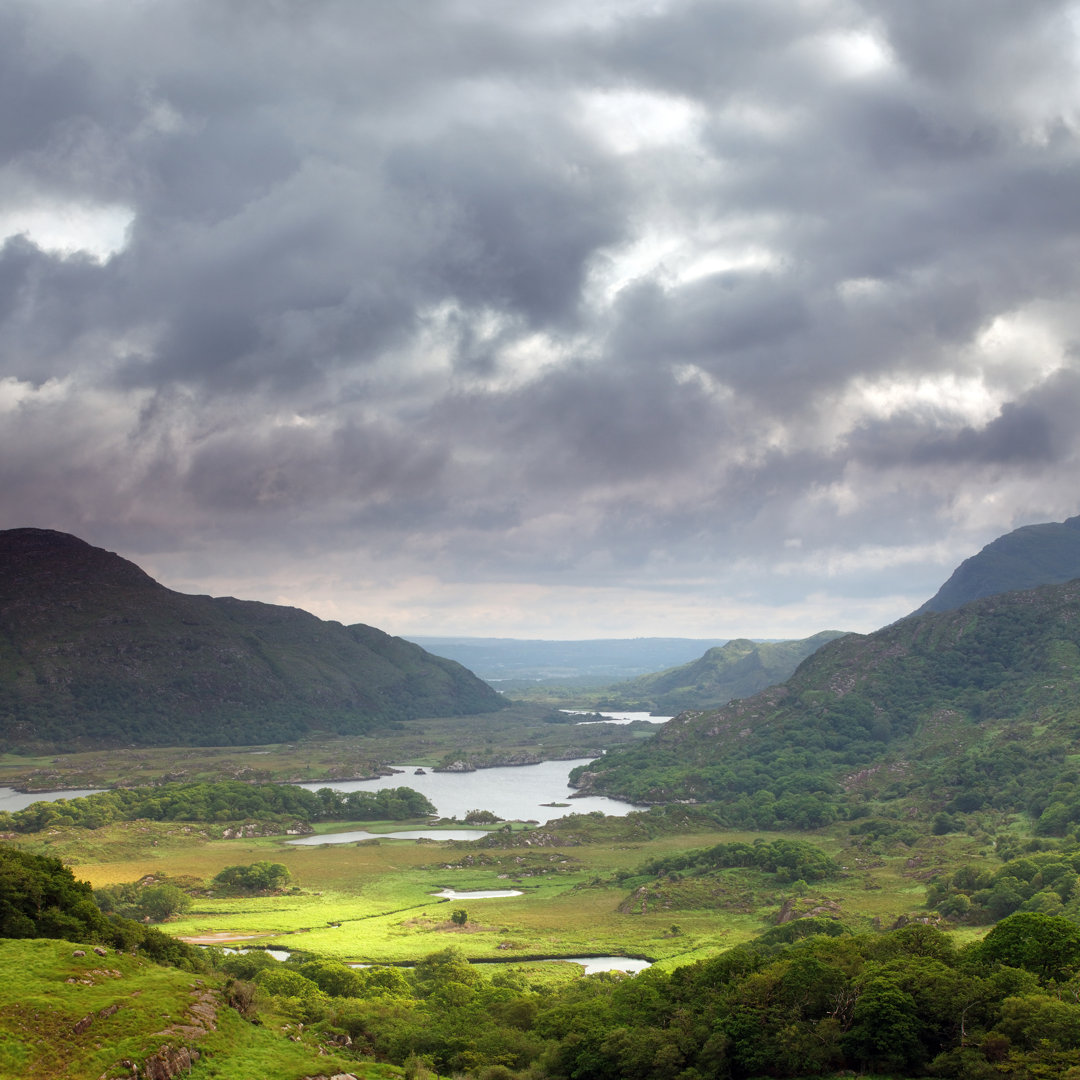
[93, 651]
[1043, 554]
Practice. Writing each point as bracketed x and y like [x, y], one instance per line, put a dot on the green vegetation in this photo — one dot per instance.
[150, 899]
[39, 897]
[954, 713]
[93, 652]
[735, 670]
[227, 801]
[1044, 882]
[82, 1017]
[790, 860]
[908, 1002]
[257, 879]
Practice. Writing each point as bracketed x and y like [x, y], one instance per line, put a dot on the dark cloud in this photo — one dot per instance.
[719, 305]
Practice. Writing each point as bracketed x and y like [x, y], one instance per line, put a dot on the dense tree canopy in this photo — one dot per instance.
[219, 802]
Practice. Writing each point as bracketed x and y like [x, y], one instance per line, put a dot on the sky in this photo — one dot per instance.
[683, 318]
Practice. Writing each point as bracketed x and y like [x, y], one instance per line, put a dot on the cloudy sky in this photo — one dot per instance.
[563, 319]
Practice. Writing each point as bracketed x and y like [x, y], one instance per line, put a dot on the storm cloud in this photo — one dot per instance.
[738, 317]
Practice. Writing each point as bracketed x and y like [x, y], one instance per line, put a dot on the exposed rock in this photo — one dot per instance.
[168, 1062]
[804, 908]
[265, 828]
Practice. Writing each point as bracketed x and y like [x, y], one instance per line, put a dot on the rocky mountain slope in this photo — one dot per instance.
[1047, 554]
[95, 652]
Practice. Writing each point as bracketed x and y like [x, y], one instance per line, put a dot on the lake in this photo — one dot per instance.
[515, 793]
[615, 717]
[12, 800]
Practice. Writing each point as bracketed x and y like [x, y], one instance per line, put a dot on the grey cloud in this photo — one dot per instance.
[521, 215]
[368, 298]
[1033, 431]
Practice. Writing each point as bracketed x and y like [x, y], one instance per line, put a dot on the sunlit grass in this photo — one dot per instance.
[40, 1008]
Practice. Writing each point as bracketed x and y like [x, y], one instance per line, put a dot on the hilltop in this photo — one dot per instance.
[976, 709]
[737, 669]
[94, 652]
[1047, 554]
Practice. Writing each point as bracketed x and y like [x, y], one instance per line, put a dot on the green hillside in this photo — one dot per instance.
[738, 669]
[969, 710]
[94, 652]
[1047, 554]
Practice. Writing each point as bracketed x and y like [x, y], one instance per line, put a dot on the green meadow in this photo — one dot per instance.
[581, 891]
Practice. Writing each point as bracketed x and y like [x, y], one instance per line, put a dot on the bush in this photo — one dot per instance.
[259, 877]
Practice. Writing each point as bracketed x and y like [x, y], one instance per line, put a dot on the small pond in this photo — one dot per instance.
[477, 894]
[355, 835]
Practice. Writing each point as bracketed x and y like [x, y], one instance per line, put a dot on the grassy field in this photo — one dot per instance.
[372, 901]
[91, 1017]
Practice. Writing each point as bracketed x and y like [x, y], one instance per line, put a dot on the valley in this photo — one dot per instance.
[890, 839]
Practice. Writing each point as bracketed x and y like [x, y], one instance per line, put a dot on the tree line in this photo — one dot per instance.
[230, 800]
[907, 1003]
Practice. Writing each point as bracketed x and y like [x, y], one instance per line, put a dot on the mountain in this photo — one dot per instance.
[735, 670]
[1047, 554]
[94, 652]
[971, 710]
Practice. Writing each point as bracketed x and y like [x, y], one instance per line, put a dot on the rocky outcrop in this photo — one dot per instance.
[266, 828]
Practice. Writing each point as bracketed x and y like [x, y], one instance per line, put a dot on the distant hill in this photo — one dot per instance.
[965, 711]
[735, 670]
[1047, 554]
[596, 661]
[94, 652]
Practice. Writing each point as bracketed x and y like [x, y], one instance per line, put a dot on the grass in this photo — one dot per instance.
[127, 1010]
[371, 901]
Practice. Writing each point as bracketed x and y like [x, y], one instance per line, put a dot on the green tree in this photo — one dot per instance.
[1048, 945]
[885, 1031]
[161, 902]
[259, 877]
